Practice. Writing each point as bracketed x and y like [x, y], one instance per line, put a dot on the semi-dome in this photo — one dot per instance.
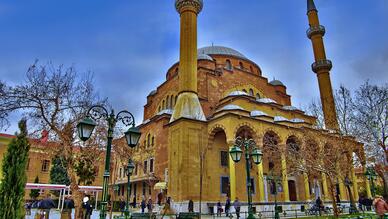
[237, 93]
[204, 57]
[220, 50]
[276, 83]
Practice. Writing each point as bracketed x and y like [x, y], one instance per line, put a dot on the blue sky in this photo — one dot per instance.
[129, 45]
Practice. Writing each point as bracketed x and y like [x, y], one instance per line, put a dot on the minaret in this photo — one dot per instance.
[187, 105]
[321, 66]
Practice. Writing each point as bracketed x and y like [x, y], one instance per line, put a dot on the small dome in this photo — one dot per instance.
[297, 120]
[276, 83]
[220, 50]
[231, 107]
[237, 93]
[266, 100]
[280, 119]
[204, 57]
[257, 113]
[152, 93]
[290, 108]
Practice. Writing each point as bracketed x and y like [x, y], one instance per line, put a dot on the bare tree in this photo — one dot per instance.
[371, 113]
[54, 99]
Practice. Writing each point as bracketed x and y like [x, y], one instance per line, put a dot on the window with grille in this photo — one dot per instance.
[145, 167]
[224, 158]
[151, 165]
[45, 165]
[225, 185]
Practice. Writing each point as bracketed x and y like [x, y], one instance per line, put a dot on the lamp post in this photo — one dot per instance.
[250, 151]
[275, 180]
[371, 176]
[128, 171]
[85, 129]
[349, 183]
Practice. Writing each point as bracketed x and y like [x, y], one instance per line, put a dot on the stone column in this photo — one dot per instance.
[232, 173]
[261, 181]
[355, 185]
[285, 178]
[342, 189]
[367, 185]
[306, 187]
[324, 185]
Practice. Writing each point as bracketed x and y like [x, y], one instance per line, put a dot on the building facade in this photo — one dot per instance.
[211, 96]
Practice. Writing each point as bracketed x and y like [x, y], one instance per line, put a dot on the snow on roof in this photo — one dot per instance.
[255, 113]
[280, 119]
[231, 107]
[237, 93]
[266, 100]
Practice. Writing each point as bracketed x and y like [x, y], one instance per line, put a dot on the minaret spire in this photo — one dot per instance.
[187, 105]
[321, 66]
[311, 6]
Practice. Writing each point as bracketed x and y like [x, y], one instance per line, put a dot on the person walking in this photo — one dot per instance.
[319, 205]
[122, 206]
[219, 208]
[191, 206]
[237, 206]
[149, 205]
[28, 207]
[380, 205]
[68, 206]
[227, 206]
[87, 208]
[143, 204]
[134, 202]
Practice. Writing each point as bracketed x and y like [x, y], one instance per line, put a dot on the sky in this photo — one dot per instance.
[129, 45]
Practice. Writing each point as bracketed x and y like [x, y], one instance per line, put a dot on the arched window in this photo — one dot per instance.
[148, 140]
[168, 102]
[245, 91]
[163, 105]
[176, 71]
[241, 65]
[228, 65]
[250, 67]
[257, 95]
[153, 141]
[176, 98]
[171, 101]
[251, 92]
[159, 109]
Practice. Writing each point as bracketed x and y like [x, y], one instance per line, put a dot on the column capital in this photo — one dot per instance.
[193, 5]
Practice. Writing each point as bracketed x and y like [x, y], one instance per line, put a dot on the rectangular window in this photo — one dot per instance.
[224, 158]
[151, 165]
[122, 190]
[45, 165]
[225, 185]
[145, 167]
[120, 172]
[136, 166]
[134, 189]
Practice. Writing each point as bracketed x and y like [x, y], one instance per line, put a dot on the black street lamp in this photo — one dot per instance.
[85, 129]
[274, 181]
[250, 151]
[371, 176]
[128, 171]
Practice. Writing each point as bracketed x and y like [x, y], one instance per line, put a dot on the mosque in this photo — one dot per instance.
[211, 96]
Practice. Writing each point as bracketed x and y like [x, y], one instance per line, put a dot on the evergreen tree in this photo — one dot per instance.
[58, 173]
[14, 172]
[35, 192]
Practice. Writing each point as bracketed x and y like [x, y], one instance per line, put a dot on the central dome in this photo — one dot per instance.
[220, 50]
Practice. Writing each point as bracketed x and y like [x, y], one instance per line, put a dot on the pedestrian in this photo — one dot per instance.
[227, 206]
[28, 207]
[68, 206]
[380, 205]
[86, 208]
[319, 205]
[219, 208]
[143, 204]
[237, 206]
[191, 206]
[149, 205]
[46, 204]
[122, 206]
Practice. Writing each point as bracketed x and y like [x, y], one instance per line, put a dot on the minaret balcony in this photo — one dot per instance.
[321, 65]
[315, 30]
